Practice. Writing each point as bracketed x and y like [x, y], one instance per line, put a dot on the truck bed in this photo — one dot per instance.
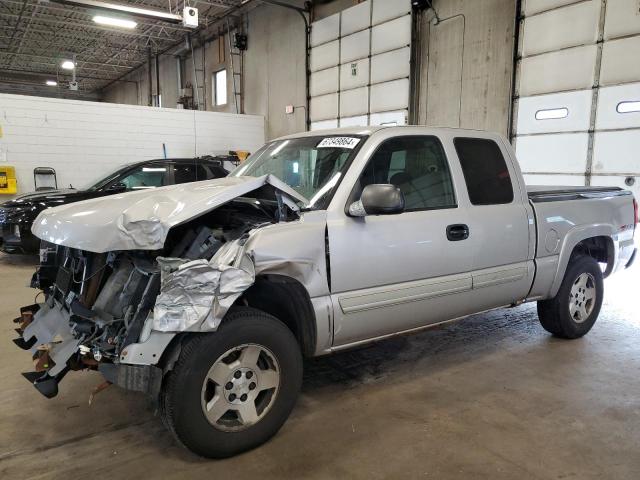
[546, 193]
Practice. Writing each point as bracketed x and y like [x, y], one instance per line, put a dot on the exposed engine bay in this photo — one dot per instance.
[98, 304]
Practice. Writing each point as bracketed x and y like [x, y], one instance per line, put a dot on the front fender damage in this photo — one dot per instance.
[195, 295]
[118, 312]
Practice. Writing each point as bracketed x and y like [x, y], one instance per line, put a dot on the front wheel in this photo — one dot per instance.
[232, 390]
[575, 308]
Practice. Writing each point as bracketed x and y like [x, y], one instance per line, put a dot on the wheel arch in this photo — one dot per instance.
[288, 300]
[596, 242]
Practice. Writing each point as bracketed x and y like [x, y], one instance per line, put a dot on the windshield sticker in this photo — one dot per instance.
[339, 142]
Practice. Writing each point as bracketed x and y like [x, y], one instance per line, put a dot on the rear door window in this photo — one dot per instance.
[184, 172]
[485, 171]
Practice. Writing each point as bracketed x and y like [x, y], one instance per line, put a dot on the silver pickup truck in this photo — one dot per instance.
[207, 296]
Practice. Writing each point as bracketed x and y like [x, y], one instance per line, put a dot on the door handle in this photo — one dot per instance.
[456, 233]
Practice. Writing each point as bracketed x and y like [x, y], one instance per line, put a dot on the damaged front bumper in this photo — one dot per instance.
[118, 313]
[45, 332]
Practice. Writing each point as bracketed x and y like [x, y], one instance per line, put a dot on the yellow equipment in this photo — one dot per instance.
[8, 183]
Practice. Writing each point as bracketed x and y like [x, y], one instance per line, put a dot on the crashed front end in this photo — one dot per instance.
[117, 311]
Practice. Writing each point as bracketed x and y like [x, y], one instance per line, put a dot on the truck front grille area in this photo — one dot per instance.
[95, 305]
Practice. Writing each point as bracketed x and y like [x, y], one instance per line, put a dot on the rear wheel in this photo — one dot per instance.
[575, 308]
[232, 390]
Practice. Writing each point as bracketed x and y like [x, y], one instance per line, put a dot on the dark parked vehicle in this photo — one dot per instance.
[17, 216]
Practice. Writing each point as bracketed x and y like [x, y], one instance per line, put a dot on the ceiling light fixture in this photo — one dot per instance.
[115, 22]
[68, 65]
[52, 83]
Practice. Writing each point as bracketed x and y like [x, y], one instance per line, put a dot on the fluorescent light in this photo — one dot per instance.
[68, 65]
[114, 22]
[154, 169]
[628, 107]
[552, 114]
[52, 83]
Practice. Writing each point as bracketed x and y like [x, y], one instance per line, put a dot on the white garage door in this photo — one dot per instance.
[578, 93]
[360, 66]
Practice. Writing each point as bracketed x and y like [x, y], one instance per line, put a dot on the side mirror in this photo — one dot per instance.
[378, 199]
[118, 187]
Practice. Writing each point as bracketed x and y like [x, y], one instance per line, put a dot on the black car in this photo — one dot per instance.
[16, 216]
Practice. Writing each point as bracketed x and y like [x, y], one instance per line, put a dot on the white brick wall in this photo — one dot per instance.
[85, 140]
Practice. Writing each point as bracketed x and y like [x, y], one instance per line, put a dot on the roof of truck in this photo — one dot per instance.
[369, 130]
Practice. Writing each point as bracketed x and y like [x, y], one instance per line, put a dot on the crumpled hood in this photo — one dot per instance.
[141, 220]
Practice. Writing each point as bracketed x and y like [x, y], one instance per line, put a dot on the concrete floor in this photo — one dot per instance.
[493, 396]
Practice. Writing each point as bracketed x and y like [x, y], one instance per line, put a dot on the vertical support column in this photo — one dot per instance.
[149, 77]
[596, 91]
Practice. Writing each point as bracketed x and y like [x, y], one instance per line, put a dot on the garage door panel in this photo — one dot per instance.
[385, 10]
[391, 65]
[324, 107]
[390, 96]
[324, 81]
[536, 6]
[391, 35]
[325, 30]
[619, 107]
[571, 69]
[622, 18]
[617, 181]
[616, 152]
[620, 61]
[356, 18]
[389, 118]
[354, 46]
[548, 31]
[325, 56]
[557, 112]
[354, 74]
[556, 180]
[354, 102]
[324, 124]
[558, 153]
[360, 121]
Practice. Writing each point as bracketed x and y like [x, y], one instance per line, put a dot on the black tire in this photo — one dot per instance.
[554, 314]
[181, 406]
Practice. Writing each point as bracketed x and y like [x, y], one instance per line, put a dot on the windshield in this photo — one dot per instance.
[313, 166]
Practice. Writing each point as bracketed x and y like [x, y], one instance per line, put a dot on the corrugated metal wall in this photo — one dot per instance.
[578, 111]
[360, 64]
[84, 140]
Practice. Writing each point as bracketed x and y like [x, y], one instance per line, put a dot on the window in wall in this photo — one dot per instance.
[418, 166]
[485, 171]
[552, 114]
[628, 107]
[220, 88]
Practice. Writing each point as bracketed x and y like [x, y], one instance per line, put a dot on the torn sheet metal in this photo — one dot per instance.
[294, 249]
[141, 220]
[50, 327]
[195, 295]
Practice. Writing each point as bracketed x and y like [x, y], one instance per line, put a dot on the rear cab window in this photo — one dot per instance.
[485, 171]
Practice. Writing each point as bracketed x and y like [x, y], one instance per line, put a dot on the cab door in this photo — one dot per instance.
[500, 219]
[392, 273]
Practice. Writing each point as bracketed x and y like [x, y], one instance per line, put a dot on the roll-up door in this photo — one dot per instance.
[360, 66]
[577, 106]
